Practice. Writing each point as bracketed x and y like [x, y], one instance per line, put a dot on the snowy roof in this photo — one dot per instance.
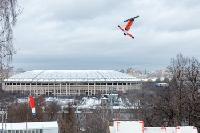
[127, 127]
[138, 127]
[72, 75]
[30, 125]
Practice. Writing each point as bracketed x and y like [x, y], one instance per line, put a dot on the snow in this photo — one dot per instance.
[127, 127]
[180, 129]
[59, 101]
[138, 127]
[30, 125]
[72, 75]
[93, 102]
[86, 102]
[89, 102]
[22, 100]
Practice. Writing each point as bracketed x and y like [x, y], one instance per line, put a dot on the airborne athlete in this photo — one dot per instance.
[128, 26]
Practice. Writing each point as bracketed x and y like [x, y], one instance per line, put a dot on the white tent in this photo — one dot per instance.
[179, 129]
[127, 127]
[138, 127]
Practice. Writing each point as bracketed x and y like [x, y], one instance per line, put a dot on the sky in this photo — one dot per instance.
[83, 34]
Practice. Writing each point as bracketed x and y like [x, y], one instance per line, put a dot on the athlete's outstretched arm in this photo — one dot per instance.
[132, 19]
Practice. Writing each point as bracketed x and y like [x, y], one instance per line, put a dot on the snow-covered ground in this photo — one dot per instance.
[22, 100]
[87, 102]
[60, 101]
[93, 102]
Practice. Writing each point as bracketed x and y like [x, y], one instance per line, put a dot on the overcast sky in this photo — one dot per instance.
[83, 34]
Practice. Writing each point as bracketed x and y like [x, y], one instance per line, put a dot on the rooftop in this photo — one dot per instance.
[72, 76]
[30, 125]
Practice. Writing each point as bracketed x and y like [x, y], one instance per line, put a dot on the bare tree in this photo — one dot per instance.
[192, 73]
[177, 69]
[68, 121]
[8, 16]
[178, 104]
[98, 121]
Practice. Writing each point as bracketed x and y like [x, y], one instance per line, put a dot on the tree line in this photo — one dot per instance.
[177, 104]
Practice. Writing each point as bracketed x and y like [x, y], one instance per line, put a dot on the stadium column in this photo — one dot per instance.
[66, 89]
[40, 89]
[106, 88]
[88, 90]
[117, 87]
[54, 89]
[35, 90]
[60, 88]
[44, 85]
[30, 89]
[11, 87]
[69, 88]
[126, 87]
[25, 87]
[48, 89]
[100, 88]
[94, 88]
[112, 87]
[79, 92]
[20, 88]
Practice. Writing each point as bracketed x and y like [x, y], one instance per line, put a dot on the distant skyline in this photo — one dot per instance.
[76, 34]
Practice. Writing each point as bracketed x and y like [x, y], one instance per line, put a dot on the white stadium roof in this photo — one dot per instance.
[72, 76]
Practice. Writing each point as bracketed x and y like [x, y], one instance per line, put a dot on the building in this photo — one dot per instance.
[70, 82]
[138, 127]
[162, 84]
[29, 127]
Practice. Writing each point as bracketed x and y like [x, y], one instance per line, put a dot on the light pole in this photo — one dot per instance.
[3, 113]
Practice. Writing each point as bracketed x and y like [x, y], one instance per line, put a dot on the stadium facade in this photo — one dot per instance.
[70, 82]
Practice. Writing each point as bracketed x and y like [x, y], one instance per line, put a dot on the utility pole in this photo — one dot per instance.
[3, 113]
[2, 120]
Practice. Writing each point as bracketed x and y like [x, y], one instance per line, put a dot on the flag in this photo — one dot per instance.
[32, 104]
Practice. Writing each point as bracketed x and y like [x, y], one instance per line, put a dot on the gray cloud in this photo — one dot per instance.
[83, 34]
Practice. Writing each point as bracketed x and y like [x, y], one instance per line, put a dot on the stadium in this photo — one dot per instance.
[70, 82]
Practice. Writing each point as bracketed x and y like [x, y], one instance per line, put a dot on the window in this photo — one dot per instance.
[97, 83]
